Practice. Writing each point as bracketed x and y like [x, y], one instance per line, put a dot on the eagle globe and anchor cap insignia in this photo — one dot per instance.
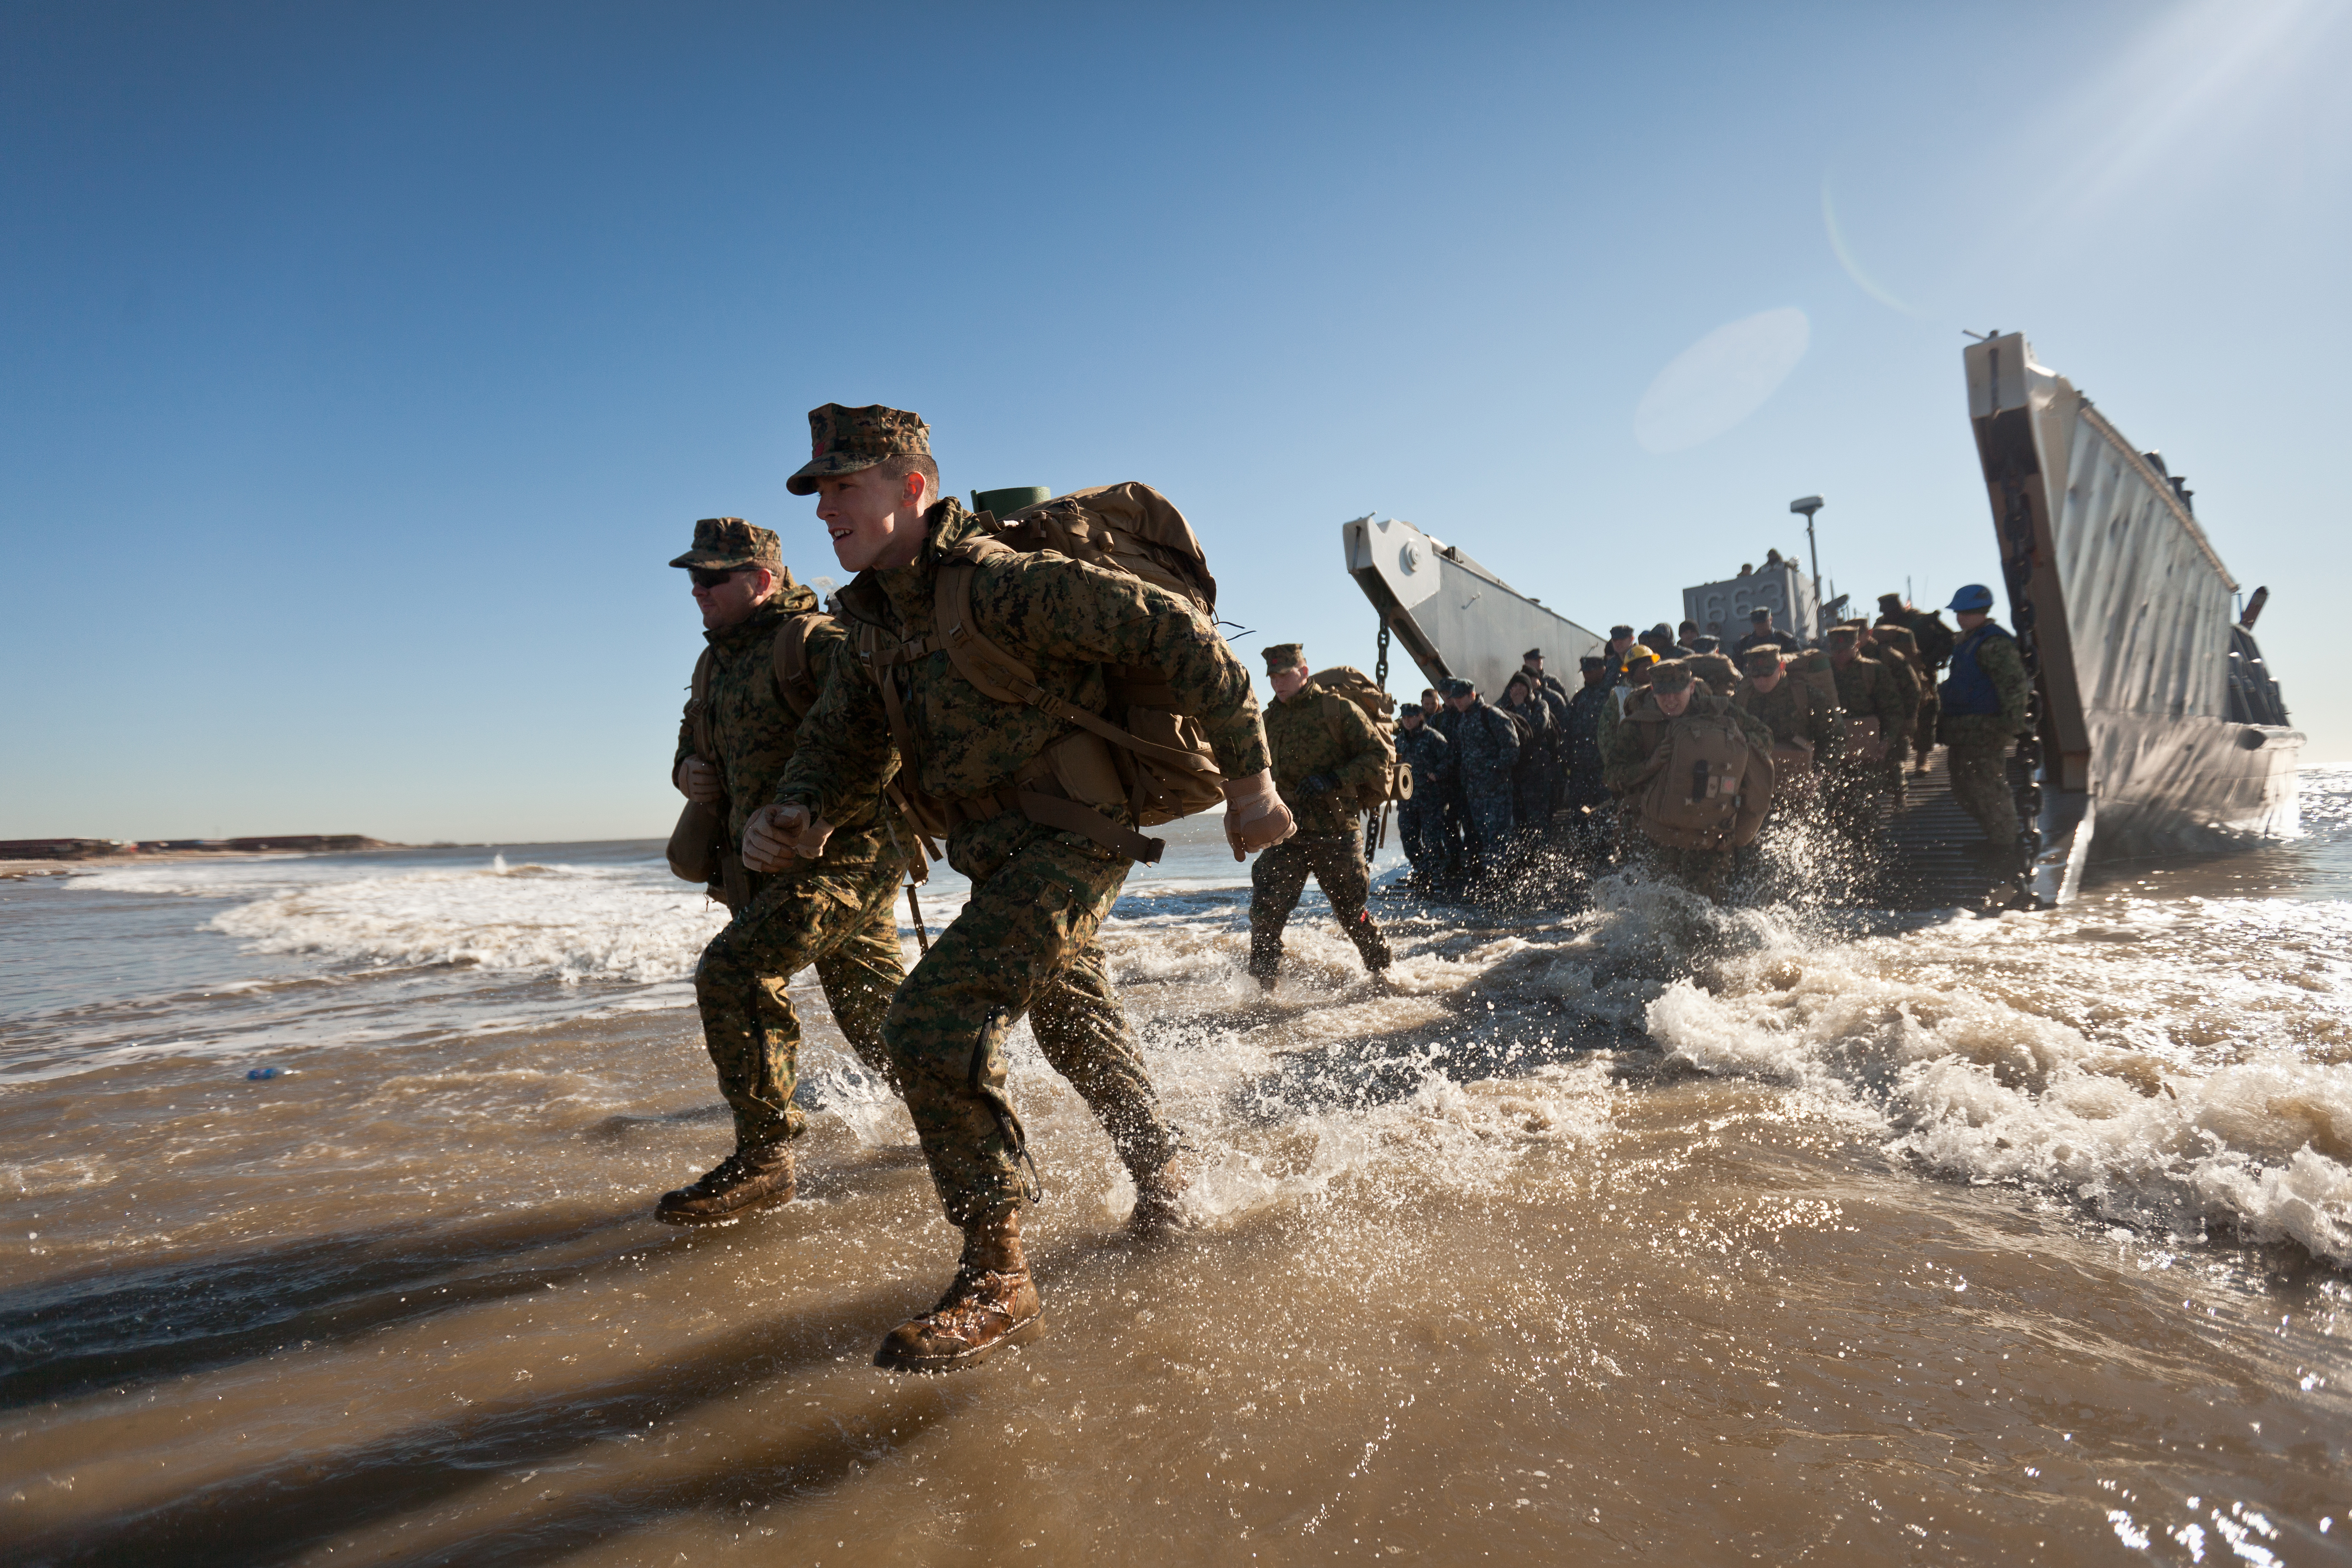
[844, 440]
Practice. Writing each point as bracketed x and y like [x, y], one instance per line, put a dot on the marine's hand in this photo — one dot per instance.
[697, 780]
[777, 834]
[1316, 784]
[1255, 818]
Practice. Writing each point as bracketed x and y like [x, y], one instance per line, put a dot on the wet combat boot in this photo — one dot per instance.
[1159, 1199]
[991, 1303]
[747, 1180]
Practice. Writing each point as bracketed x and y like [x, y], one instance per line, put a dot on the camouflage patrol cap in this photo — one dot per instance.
[1845, 633]
[1671, 675]
[720, 542]
[1591, 661]
[1758, 660]
[1282, 656]
[1454, 686]
[1705, 643]
[1890, 603]
[844, 440]
[1762, 617]
[1617, 632]
[1410, 711]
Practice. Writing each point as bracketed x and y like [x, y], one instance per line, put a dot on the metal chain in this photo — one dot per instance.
[1380, 672]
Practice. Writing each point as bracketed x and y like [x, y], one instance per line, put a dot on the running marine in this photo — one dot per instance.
[834, 911]
[1044, 866]
[1324, 749]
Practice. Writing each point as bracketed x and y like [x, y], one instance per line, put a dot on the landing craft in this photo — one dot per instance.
[2156, 725]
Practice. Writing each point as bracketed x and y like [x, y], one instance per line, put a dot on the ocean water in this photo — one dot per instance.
[1656, 1231]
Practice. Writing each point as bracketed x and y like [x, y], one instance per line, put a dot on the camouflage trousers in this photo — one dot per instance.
[1981, 784]
[846, 925]
[1706, 872]
[1279, 876]
[1026, 943]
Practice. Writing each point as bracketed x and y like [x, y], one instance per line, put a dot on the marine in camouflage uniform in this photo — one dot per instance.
[1709, 664]
[1931, 645]
[835, 913]
[1892, 651]
[1984, 709]
[1323, 748]
[1865, 691]
[1027, 941]
[1627, 765]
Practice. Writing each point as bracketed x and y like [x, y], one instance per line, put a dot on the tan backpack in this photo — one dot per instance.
[1143, 754]
[1708, 788]
[1346, 683]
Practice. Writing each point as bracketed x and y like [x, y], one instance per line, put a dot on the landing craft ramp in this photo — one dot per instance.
[1453, 616]
[2147, 737]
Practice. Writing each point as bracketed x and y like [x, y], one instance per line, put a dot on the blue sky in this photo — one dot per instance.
[366, 363]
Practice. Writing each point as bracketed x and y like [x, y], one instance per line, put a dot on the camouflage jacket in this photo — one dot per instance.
[754, 731]
[1485, 748]
[1865, 691]
[1626, 761]
[1298, 732]
[1066, 619]
[1900, 669]
[1793, 711]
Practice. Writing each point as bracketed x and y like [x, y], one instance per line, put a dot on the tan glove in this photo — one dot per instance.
[777, 834]
[1255, 818]
[697, 780]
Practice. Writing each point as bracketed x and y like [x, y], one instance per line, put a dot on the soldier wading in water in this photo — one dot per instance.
[1045, 866]
[770, 651]
[1325, 751]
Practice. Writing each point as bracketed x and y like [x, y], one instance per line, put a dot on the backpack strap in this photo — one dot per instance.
[698, 708]
[789, 655]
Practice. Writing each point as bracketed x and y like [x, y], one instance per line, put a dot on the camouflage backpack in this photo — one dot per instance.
[1346, 683]
[1708, 786]
[1141, 753]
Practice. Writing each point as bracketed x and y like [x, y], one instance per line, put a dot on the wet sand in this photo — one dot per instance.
[1482, 1271]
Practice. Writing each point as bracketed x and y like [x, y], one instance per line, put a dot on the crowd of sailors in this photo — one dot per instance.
[1504, 783]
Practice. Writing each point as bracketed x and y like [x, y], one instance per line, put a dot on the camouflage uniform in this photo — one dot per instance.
[1793, 711]
[1895, 658]
[1985, 709]
[1315, 732]
[1026, 941]
[1865, 691]
[835, 913]
[1626, 768]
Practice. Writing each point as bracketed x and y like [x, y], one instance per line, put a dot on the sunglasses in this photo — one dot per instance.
[712, 576]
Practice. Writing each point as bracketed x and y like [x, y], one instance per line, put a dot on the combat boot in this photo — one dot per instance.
[991, 1303]
[749, 1179]
[1159, 1199]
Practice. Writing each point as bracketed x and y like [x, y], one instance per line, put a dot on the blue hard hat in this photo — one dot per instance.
[1974, 597]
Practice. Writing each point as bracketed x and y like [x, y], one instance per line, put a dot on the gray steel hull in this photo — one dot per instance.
[2125, 611]
[1453, 616]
